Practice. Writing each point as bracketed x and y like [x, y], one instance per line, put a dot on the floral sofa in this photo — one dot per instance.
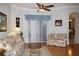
[14, 45]
[57, 39]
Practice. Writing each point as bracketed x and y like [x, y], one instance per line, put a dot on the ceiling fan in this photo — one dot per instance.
[42, 7]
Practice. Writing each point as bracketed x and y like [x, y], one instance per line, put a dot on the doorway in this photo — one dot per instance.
[71, 28]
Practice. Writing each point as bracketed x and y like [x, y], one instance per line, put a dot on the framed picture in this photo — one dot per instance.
[17, 22]
[3, 22]
[58, 22]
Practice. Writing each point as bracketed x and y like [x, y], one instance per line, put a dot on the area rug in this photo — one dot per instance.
[37, 52]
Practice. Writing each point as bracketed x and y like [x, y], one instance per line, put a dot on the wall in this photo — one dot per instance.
[60, 14]
[15, 12]
[5, 8]
[77, 28]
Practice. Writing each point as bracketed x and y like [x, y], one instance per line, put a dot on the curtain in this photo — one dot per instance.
[37, 27]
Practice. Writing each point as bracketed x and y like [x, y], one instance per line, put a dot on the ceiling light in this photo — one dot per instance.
[41, 9]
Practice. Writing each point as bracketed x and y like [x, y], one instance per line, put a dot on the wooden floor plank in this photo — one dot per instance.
[71, 50]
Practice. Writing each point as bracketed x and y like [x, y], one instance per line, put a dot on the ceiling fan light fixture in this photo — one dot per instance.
[40, 10]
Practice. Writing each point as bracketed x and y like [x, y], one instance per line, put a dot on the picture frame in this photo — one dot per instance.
[17, 22]
[58, 22]
[3, 22]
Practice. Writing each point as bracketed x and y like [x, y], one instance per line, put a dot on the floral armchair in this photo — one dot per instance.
[14, 45]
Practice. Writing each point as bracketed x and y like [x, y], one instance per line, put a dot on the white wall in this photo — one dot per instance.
[60, 14]
[5, 8]
[15, 12]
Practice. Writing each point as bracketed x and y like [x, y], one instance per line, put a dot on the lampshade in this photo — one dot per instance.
[17, 30]
[12, 34]
[3, 28]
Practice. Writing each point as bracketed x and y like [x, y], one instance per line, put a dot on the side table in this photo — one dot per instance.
[2, 51]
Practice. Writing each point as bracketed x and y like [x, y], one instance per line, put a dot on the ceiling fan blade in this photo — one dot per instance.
[49, 6]
[38, 5]
[46, 9]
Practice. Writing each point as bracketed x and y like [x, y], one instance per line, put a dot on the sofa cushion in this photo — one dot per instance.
[57, 36]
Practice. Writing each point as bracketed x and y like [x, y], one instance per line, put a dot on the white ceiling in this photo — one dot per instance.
[34, 6]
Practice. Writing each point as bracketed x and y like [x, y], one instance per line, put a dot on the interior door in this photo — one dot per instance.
[77, 29]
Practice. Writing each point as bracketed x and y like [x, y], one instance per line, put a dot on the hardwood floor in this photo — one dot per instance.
[71, 50]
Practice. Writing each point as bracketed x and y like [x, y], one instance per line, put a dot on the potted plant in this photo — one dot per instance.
[21, 34]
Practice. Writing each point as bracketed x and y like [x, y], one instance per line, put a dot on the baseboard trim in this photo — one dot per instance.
[37, 42]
